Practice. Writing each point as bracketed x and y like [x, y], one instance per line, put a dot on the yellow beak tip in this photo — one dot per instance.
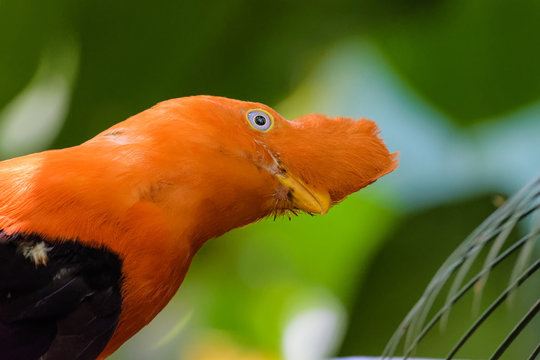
[323, 202]
[304, 197]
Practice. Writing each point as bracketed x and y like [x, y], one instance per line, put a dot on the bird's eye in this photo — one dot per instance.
[259, 119]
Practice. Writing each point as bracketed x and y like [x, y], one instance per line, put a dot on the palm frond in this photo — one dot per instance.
[492, 236]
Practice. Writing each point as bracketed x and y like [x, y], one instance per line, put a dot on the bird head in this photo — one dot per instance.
[244, 161]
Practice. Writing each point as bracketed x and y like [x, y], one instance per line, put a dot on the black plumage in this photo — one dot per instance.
[58, 300]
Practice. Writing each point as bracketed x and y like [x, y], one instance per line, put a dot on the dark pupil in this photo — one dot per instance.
[260, 120]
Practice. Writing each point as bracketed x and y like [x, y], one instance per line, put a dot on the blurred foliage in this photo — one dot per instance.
[472, 60]
[284, 259]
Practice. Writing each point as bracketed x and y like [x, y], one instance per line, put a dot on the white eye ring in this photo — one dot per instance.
[260, 120]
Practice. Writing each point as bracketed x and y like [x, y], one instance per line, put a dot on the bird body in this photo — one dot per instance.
[110, 227]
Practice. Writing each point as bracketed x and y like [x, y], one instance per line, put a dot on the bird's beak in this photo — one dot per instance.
[303, 197]
[299, 195]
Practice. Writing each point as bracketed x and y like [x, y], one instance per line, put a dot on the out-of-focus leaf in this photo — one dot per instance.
[33, 119]
[473, 59]
[27, 28]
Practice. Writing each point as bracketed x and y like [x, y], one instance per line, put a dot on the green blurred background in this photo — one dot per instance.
[454, 86]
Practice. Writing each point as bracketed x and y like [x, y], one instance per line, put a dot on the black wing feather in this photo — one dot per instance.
[67, 308]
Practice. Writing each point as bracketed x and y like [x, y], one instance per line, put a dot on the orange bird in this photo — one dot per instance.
[95, 239]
